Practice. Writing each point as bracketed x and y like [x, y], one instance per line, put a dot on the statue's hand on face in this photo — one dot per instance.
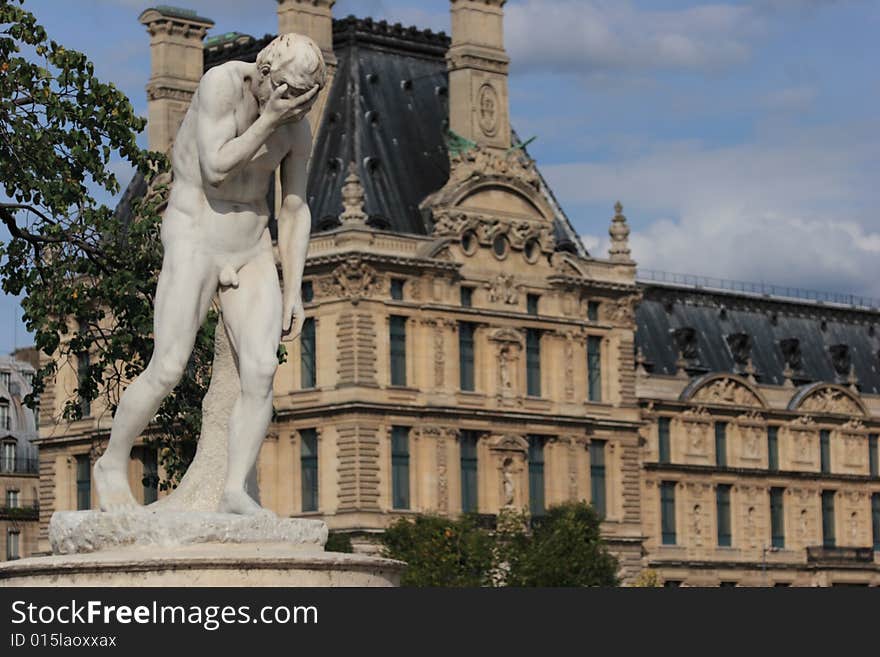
[284, 107]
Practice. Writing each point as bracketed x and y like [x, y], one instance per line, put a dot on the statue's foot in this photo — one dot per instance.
[237, 501]
[114, 493]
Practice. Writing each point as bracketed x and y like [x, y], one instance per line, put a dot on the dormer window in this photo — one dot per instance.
[841, 358]
[740, 345]
[686, 341]
[791, 353]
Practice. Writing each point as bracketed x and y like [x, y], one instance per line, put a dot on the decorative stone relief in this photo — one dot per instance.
[697, 425]
[503, 289]
[353, 279]
[488, 110]
[803, 432]
[485, 228]
[572, 468]
[441, 436]
[830, 400]
[569, 366]
[854, 439]
[726, 391]
[623, 310]
[752, 430]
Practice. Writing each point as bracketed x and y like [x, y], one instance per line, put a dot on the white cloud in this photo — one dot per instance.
[793, 209]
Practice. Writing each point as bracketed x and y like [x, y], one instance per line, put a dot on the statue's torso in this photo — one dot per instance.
[232, 217]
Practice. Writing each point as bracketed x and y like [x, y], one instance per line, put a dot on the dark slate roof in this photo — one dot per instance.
[387, 111]
[819, 328]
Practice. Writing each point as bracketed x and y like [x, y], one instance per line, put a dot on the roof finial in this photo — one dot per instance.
[619, 232]
[353, 198]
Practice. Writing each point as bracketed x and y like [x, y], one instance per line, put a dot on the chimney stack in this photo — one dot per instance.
[478, 65]
[176, 62]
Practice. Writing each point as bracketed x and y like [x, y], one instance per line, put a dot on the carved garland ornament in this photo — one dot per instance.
[353, 279]
[519, 232]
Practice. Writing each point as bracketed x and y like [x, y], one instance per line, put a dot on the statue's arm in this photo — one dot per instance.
[221, 152]
[294, 226]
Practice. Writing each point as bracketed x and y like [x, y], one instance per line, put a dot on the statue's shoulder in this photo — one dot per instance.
[223, 77]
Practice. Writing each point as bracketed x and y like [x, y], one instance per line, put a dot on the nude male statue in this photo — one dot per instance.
[244, 120]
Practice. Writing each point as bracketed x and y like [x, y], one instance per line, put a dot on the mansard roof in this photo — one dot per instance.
[808, 341]
[387, 111]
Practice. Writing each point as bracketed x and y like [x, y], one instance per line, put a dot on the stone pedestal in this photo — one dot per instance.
[144, 548]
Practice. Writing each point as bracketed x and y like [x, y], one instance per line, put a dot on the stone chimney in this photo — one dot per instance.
[176, 63]
[478, 98]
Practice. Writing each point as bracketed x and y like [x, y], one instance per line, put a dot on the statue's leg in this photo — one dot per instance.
[252, 314]
[183, 294]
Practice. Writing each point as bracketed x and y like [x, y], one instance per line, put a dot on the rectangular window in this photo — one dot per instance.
[308, 461]
[308, 366]
[400, 467]
[5, 379]
[597, 476]
[83, 482]
[12, 544]
[773, 449]
[777, 517]
[721, 444]
[8, 461]
[533, 362]
[469, 471]
[397, 289]
[532, 304]
[398, 350]
[722, 506]
[82, 365]
[593, 311]
[594, 368]
[467, 296]
[875, 519]
[12, 499]
[536, 475]
[663, 439]
[308, 292]
[150, 480]
[667, 512]
[466, 355]
[4, 416]
[828, 539]
[872, 455]
[825, 450]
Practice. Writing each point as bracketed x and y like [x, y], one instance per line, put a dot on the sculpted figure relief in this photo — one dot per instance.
[244, 121]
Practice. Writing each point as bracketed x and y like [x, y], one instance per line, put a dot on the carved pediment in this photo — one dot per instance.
[509, 443]
[507, 335]
[825, 398]
[723, 389]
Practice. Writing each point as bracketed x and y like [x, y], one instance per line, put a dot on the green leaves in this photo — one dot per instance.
[88, 274]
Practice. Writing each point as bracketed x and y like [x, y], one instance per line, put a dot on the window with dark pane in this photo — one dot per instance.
[825, 450]
[875, 519]
[536, 475]
[532, 304]
[594, 368]
[722, 505]
[593, 311]
[777, 517]
[873, 455]
[397, 289]
[400, 467]
[773, 448]
[308, 366]
[663, 439]
[597, 477]
[469, 497]
[721, 444]
[533, 362]
[308, 292]
[467, 296]
[309, 469]
[667, 512]
[83, 482]
[828, 537]
[466, 355]
[150, 480]
[398, 350]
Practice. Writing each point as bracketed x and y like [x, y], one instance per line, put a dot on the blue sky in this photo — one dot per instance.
[743, 138]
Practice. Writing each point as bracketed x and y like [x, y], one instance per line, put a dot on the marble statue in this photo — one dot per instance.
[244, 121]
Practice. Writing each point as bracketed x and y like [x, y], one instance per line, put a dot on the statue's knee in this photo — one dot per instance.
[168, 369]
[258, 373]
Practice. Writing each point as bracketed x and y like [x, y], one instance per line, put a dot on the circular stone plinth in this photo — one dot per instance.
[75, 532]
[230, 565]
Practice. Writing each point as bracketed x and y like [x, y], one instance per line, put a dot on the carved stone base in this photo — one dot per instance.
[227, 565]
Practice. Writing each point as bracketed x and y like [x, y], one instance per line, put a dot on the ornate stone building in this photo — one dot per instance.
[464, 352]
[19, 474]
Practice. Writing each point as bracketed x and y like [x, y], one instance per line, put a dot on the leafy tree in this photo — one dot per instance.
[88, 274]
[339, 542]
[441, 551]
[565, 549]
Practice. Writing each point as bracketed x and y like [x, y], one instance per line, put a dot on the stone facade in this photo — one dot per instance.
[485, 353]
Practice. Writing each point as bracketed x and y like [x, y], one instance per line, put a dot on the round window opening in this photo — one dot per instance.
[500, 246]
[469, 243]
[532, 251]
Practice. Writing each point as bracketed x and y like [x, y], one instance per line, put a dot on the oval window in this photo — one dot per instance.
[500, 246]
[469, 243]
[532, 251]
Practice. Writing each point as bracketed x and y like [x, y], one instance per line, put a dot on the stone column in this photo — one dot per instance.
[177, 63]
[477, 63]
